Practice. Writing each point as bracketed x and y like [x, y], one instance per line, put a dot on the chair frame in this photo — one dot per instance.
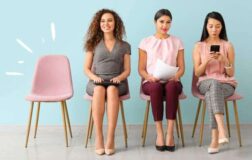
[65, 119]
[201, 98]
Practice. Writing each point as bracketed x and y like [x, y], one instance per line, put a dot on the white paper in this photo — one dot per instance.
[164, 71]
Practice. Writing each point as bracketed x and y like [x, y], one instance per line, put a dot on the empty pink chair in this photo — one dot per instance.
[179, 125]
[91, 123]
[52, 82]
[234, 97]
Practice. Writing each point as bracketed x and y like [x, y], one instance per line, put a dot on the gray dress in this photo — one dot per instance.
[109, 65]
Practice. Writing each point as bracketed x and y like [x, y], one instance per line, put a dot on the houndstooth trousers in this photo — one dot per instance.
[215, 93]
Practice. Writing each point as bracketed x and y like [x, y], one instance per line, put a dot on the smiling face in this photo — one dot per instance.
[214, 28]
[107, 23]
[163, 24]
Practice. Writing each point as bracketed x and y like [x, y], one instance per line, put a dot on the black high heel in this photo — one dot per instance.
[160, 148]
[170, 148]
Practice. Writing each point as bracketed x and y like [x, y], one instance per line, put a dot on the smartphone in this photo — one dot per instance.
[215, 48]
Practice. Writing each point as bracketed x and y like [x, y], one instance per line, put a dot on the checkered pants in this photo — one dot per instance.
[215, 93]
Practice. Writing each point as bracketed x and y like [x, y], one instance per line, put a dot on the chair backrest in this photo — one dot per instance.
[52, 76]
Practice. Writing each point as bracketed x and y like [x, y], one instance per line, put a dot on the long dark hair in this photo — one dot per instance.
[95, 34]
[217, 16]
[162, 12]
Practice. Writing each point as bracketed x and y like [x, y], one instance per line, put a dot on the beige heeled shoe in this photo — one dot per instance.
[223, 140]
[109, 151]
[213, 150]
[100, 151]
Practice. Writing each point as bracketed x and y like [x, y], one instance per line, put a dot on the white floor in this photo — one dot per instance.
[50, 145]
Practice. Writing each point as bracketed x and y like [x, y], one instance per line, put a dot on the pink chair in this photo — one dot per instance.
[179, 126]
[91, 123]
[52, 82]
[234, 97]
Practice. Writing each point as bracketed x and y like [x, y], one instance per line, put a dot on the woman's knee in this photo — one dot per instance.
[112, 90]
[155, 87]
[173, 86]
[99, 90]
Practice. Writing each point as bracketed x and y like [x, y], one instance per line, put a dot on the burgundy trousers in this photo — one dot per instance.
[159, 92]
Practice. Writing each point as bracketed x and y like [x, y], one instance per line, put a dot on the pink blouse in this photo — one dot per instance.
[215, 69]
[164, 49]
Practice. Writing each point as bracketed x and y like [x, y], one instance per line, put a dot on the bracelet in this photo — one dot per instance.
[228, 67]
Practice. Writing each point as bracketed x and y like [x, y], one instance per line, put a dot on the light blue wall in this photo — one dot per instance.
[30, 20]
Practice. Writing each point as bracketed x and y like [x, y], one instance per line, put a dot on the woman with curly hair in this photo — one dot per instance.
[107, 65]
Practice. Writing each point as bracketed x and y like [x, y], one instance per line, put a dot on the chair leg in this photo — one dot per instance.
[196, 118]
[64, 122]
[181, 126]
[202, 122]
[124, 125]
[37, 119]
[89, 125]
[177, 129]
[146, 123]
[68, 120]
[29, 125]
[227, 118]
[91, 128]
[237, 123]
[145, 116]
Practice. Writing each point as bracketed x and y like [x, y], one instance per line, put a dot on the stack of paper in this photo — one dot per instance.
[164, 71]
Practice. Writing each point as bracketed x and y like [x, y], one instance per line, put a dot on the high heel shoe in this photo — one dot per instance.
[109, 151]
[213, 150]
[160, 148]
[170, 148]
[223, 140]
[100, 151]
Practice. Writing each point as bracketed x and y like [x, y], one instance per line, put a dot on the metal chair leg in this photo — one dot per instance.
[64, 121]
[237, 123]
[181, 126]
[68, 120]
[202, 122]
[124, 124]
[89, 125]
[37, 119]
[227, 118]
[29, 125]
[146, 123]
[196, 118]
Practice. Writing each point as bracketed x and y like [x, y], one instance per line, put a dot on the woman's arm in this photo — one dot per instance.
[200, 67]
[180, 65]
[87, 68]
[229, 61]
[126, 71]
[142, 63]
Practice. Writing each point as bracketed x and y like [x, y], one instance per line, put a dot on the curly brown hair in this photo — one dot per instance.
[95, 34]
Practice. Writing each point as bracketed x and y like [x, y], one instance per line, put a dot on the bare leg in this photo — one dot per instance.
[169, 135]
[215, 136]
[112, 114]
[221, 127]
[160, 134]
[98, 107]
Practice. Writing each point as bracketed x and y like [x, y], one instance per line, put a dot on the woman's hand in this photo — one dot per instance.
[116, 80]
[150, 78]
[175, 78]
[97, 79]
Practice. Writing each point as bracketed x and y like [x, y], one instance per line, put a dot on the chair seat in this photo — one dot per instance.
[48, 98]
[235, 96]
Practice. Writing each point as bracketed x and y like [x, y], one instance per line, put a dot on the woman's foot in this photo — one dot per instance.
[110, 146]
[170, 145]
[213, 147]
[222, 138]
[160, 143]
[99, 145]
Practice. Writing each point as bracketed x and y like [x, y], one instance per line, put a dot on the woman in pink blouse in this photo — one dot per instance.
[215, 68]
[169, 49]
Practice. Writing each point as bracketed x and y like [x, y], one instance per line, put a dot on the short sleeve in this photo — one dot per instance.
[142, 45]
[180, 45]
